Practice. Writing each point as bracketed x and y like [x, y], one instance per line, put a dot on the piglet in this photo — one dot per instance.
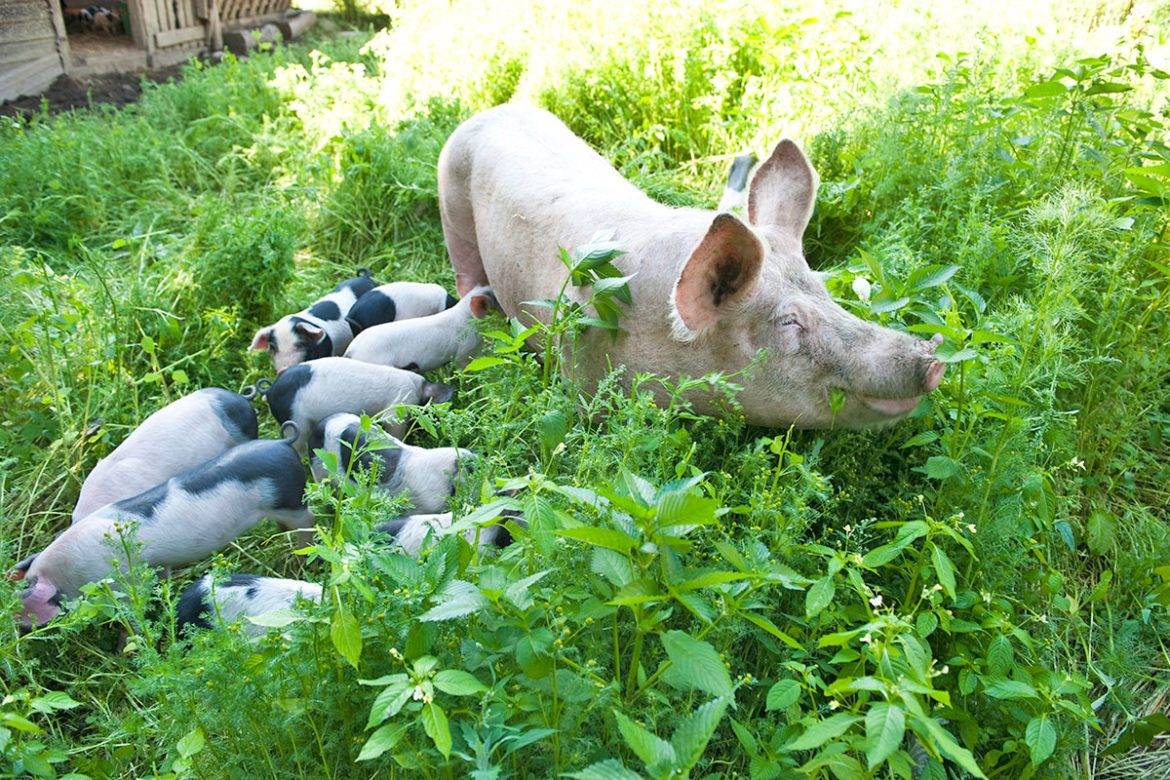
[310, 392]
[176, 438]
[398, 301]
[410, 531]
[180, 521]
[424, 343]
[319, 331]
[428, 476]
[237, 598]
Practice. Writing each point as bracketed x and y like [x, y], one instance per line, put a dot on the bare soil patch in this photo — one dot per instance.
[67, 93]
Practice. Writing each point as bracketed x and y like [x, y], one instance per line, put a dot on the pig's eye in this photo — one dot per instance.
[790, 320]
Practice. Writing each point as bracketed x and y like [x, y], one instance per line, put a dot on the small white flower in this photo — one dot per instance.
[861, 288]
[418, 694]
[876, 601]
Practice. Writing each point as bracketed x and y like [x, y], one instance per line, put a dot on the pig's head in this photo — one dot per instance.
[747, 287]
[293, 340]
[41, 599]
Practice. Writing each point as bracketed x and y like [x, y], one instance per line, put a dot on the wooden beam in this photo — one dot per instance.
[183, 35]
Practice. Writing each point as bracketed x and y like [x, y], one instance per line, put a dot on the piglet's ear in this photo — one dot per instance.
[721, 272]
[310, 331]
[261, 340]
[481, 306]
[783, 190]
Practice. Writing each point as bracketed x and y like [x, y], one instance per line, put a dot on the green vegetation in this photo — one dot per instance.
[986, 582]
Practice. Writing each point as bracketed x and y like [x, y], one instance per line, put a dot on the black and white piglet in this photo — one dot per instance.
[398, 301]
[180, 521]
[410, 531]
[238, 597]
[176, 438]
[424, 343]
[319, 331]
[310, 392]
[428, 476]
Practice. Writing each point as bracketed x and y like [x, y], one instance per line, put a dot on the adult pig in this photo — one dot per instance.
[176, 438]
[319, 331]
[398, 301]
[709, 290]
[310, 392]
[180, 521]
[429, 476]
[238, 597]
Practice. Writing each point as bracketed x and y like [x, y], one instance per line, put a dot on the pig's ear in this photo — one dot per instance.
[481, 306]
[721, 272]
[261, 340]
[783, 190]
[310, 331]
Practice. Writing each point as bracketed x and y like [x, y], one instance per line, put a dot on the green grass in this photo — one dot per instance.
[989, 575]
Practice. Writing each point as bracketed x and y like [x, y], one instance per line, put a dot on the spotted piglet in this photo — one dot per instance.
[409, 532]
[319, 331]
[178, 437]
[398, 301]
[310, 392]
[237, 598]
[424, 343]
[430, 477]
[176, 523]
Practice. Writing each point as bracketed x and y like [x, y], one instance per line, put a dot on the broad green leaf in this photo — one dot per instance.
[457, 682]
[602, 537]
[947, 745]
[385, 738]
[941, 467]
[943, 568]
[275, 618]
[683, 509]
[930, 276]
[885, 725]
[646, 745]
[880, 556]
[712, 578]
[819, 596]
[1046, 89]
[1101, 529]
[772, 629]
[1000, 656]
[612, 565]
[455, 599]
[434, 722]
[346, 633]
[517, 592]
[822, 731]
[480, 363]
[54, 700]
[920, 438]
[697, 662]
[192, 743]
[1040, 736]
[691, 736]
[1011, 689]
[610, 769]
[390, 700]
[783, 694]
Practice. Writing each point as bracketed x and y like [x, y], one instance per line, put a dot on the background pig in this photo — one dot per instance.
[429, 476]
[238, 597]
[398, 301]
[176, 438]
[178, 522]
[425, 343]
[710, 290]
[310, 392]
[410, 531]
[319, 331]
[737, 181]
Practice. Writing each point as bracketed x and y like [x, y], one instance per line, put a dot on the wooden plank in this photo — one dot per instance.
[26, 31]
[31, 78]
[143, 36]
[22, 11]
[177, 37]
[26, 51]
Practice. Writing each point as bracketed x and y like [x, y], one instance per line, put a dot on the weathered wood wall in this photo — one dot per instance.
[30, 52]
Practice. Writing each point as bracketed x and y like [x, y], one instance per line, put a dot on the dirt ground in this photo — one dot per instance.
[66, 93]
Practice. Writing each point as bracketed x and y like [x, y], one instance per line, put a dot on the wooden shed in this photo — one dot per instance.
[43, 39]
